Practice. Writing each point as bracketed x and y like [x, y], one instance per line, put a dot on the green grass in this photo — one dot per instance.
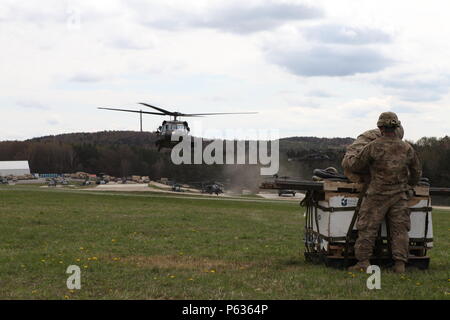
[153, 246]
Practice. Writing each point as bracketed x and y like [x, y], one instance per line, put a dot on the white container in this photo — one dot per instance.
[335, 213]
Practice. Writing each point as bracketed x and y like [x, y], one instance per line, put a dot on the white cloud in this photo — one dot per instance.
[319, 93]
[343, 34]
[323, 68]
[230, 16]
[329, 61]
[420, 87]
[31, 104]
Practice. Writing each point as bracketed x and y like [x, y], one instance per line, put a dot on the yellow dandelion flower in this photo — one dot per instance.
[172, 276]
[418, 283]
[85, 266]
[42, 260]
[78, 259]
[113, 240]
[191, 279]
[60, 262]
[212, 270]
[34, 291]
[94, 258]
[66, 297]
[72, 291]
[81, 248]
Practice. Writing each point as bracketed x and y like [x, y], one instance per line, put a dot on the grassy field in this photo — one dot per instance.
[150, 246]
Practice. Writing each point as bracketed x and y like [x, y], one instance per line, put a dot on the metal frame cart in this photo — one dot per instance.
[330, 218]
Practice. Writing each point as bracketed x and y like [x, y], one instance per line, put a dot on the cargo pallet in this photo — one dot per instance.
[330, 231]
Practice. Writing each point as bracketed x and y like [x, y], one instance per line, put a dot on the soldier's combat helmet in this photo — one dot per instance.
[388, 119]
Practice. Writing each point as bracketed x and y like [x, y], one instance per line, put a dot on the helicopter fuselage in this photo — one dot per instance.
[167, 129]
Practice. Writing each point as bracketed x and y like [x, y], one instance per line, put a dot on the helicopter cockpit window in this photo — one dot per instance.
[180, 127]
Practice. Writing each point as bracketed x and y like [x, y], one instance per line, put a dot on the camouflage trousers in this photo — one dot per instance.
[373, 210]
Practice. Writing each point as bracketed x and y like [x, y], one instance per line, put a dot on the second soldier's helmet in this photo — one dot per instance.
[388, 119]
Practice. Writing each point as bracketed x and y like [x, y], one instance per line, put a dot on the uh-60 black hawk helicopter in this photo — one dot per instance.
[168, 127]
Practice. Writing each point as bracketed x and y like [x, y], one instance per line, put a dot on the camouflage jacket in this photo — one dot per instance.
[361, 141]
[366, 137]
[393, 165]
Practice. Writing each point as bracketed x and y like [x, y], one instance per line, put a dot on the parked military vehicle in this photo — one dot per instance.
[282, 192]
[52, 182]
[176, 187]
[212, 188]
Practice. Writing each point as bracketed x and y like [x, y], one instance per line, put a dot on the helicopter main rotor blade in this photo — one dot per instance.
[180, 114]
[135, 111]
[170, 113]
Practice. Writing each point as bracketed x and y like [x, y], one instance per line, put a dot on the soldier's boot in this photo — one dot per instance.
[360, 266]
[399, 266]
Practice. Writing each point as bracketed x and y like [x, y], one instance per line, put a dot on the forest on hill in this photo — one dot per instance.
[125, 153]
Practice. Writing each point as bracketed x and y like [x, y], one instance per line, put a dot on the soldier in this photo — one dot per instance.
[394, 167]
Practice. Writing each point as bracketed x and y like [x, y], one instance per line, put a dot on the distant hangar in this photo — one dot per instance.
[14, 168]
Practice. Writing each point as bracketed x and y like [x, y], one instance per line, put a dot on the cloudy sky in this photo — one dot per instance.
[322, 68]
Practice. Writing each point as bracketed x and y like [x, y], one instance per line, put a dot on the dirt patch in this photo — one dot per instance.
[183, 262]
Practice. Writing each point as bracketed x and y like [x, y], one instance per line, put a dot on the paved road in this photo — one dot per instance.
[149, 194]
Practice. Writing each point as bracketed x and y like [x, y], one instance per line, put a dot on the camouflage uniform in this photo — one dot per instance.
[393, 165]
[352, 150]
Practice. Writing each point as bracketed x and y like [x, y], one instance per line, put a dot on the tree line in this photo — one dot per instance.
[125, 153]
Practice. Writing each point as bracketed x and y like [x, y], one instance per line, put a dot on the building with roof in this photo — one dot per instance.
[15, 168]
